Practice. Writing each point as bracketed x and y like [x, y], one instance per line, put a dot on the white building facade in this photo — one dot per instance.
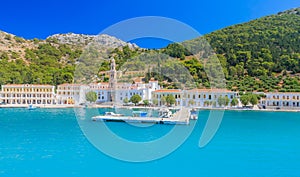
[207, 97]
[71, 94]
[24, 94]
[123, 90]
[196, 97]
[281, 100]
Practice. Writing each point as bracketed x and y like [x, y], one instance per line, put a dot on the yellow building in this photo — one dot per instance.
[17, 94]
[70, 94]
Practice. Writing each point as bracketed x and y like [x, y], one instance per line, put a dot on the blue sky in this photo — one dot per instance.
[41, 18]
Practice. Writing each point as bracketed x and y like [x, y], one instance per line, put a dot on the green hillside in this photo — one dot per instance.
[263, 54]
[40, 63]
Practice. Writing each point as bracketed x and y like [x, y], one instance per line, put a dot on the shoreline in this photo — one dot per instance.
[143, 107]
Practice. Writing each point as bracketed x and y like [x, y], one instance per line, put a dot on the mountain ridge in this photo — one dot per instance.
[84, 39]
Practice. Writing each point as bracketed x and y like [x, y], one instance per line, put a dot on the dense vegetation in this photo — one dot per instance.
[47, 64]
[262, 55]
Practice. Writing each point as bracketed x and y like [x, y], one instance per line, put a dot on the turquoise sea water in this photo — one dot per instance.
[49, 142]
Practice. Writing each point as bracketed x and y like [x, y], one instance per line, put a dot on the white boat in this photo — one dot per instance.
[194, 114]
[165, 117]
[31, 107]
[139, 114]
[112, 114]
[165, 113]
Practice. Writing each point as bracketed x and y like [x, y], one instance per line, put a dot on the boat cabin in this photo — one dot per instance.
[139, 114]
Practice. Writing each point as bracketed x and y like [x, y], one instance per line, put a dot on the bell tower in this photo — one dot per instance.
[112, 79]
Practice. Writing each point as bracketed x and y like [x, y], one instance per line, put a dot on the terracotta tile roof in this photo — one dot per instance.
[66, 84]
[133, 87]
[210, 90]
[168, 91]
[27, 85]
[138, 80]
[152, 80]
[121, 83]
[99, 84]
[282, 93]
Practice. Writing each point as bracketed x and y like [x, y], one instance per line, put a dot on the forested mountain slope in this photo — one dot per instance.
[261, 55]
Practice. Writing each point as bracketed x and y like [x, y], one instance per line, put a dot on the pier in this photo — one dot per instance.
[181, 117]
